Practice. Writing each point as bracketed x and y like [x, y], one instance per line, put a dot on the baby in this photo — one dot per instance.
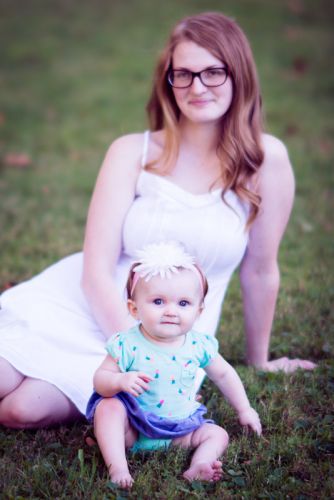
[145, 395]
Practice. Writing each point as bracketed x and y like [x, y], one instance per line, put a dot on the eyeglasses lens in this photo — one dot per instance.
[209, 77]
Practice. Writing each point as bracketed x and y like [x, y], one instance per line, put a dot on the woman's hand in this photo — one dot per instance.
[287, 365]
[250, 418]
[135, 383]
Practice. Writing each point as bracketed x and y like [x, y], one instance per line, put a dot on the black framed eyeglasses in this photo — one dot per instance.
[210, 77]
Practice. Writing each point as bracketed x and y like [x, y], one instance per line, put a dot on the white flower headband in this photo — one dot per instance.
[163, 259]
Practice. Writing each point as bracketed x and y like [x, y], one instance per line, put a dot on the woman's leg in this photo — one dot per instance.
[209, 441]
[114, 434]
[10, 378]
[28, 403]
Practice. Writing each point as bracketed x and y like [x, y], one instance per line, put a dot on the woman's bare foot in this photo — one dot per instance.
[204, 471]
[287, 365]
[121, 477]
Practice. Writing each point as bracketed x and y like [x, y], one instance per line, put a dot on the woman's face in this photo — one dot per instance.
[199, 103]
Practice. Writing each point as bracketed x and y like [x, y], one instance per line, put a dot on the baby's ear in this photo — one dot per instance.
[132, 308]
[200, 309]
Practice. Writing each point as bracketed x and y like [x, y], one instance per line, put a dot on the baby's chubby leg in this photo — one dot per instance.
[114, 434]
[209, 441]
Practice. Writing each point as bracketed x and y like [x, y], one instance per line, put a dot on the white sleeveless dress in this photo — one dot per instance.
[46, 328]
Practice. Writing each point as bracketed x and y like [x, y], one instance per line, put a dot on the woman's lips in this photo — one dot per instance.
[199, 102]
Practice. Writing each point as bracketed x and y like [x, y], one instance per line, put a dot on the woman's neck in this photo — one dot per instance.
[202, 137]
[198, 167]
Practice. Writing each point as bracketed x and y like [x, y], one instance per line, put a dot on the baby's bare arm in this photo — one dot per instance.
[109, 380]
[224, 376]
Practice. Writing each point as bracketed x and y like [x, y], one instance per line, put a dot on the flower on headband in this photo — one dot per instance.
[162, 259]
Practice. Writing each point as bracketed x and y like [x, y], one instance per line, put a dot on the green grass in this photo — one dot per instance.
[75, 75]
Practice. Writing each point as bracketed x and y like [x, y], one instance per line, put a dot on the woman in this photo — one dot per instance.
[205, 175]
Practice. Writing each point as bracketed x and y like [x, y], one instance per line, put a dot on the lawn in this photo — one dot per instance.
[75, 75]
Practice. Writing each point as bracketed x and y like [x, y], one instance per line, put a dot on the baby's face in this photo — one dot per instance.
[167, 307]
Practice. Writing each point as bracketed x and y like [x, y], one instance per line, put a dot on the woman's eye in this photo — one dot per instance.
[183, 303]
[182, 75]
[157, 302]
[211, 73]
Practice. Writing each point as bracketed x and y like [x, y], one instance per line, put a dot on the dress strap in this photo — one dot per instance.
[145, 148]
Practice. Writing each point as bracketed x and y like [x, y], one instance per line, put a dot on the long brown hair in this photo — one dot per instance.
[239, 147]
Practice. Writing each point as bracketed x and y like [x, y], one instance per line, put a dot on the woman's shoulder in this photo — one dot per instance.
[276, 172]
[125, 151]
[274, 151]
[276, 157]
[136, 139]
[273, 147]
[136, 145]
[131, 143]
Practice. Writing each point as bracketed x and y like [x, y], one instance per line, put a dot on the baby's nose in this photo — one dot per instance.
[170, 310]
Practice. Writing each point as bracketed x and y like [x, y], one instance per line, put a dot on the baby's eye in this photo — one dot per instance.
[184, 303]
[157, 302]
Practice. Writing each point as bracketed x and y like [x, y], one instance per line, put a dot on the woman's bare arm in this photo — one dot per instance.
[112, 197]
[259, 273]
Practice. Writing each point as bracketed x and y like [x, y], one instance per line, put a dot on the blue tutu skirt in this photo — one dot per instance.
[149, 424]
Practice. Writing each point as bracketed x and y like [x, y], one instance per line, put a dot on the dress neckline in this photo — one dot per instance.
[172, 185]
[164, 189]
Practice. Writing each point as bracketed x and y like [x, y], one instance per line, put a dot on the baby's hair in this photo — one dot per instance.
[132, 273]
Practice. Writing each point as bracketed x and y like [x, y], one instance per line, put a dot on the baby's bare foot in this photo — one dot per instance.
[122, 478]
[204, 471]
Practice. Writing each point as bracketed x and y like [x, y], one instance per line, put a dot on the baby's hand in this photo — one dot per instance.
[135, 383]
[250, 418]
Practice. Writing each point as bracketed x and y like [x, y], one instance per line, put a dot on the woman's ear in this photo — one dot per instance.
[132, 308]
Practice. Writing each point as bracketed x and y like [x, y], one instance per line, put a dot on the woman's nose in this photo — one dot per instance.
[197, 86]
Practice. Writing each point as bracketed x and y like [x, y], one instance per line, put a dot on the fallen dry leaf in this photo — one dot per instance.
[291, 129]
[296, 6]
[300, 65]
[17, 160]
[7, 285]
